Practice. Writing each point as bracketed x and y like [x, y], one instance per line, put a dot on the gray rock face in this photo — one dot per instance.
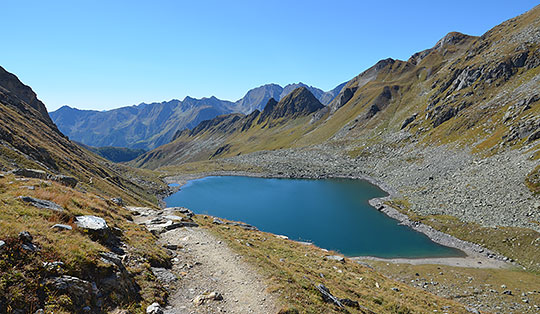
[30, 173]
[41, 203]
[91, 223]
[154, 308]
[79, 290]
[164, 275]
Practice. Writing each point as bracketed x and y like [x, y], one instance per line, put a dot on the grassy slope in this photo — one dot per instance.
[29, 141]
[22, 273]
[292, 270]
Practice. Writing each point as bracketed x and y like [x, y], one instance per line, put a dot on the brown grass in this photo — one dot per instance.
[292, 268]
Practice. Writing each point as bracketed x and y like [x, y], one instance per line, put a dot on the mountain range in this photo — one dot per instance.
[147, 126]
[467, 90]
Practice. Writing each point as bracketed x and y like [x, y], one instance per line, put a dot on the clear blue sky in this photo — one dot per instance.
[108, 54]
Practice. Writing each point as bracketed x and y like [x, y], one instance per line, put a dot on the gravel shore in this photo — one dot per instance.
[434, 180]
[413, 175]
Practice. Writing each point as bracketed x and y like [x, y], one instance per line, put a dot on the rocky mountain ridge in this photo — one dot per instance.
[148, 126]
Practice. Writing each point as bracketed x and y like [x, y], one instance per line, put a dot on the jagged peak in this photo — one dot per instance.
[452, 38]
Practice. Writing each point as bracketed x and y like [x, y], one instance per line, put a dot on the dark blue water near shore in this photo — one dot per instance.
[332, 213]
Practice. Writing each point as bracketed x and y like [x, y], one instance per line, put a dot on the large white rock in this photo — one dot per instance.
[91, 223]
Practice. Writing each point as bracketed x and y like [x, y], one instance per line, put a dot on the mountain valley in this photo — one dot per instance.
[452, 135]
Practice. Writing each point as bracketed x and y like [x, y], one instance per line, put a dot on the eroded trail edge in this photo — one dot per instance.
[206, 275]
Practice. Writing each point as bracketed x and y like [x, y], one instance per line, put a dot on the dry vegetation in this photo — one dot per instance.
[22, 272]
[293, 268]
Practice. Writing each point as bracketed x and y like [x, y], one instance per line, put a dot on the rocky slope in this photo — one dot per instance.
[225, 135]
[148, 126]
[66, 244]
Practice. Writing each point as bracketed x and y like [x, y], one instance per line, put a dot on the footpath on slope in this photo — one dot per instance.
[206, 276]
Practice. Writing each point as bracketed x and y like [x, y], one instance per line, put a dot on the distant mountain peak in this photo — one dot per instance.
[299, 102]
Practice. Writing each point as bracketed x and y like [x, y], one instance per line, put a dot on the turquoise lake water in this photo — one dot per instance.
[333, 213]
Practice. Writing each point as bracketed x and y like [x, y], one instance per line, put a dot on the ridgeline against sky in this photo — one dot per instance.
[107, 54]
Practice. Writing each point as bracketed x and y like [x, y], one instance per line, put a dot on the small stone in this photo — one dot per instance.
[52, 265]
[507, 292]
[61, 227]
[173, 247]
[118, 201]
[395, 289]
[2, 244]
[154, 308]
[217, 221]
[207, 296]
[335, 258]
[25, 237]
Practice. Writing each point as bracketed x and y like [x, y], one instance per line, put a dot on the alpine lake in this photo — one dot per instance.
[332, 213]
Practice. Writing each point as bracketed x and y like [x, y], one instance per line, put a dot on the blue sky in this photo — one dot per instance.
[108, 54]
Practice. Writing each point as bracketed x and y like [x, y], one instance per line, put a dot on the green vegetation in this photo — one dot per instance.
[116, 154]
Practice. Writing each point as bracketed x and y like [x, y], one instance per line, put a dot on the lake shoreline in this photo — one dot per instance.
[476, 256]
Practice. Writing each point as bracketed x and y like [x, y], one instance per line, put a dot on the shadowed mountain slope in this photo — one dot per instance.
[31, 140]
[226, 134]
[150, 125]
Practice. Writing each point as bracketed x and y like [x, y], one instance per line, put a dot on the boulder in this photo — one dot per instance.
[98, 230]
[66, 180]
[91, 223]
[36, 202]
[328, 297]
[31, 173]
[2, 244]
[164, 275]
[26, 239]
[80, 291]
[182, 210]
[154, 308]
